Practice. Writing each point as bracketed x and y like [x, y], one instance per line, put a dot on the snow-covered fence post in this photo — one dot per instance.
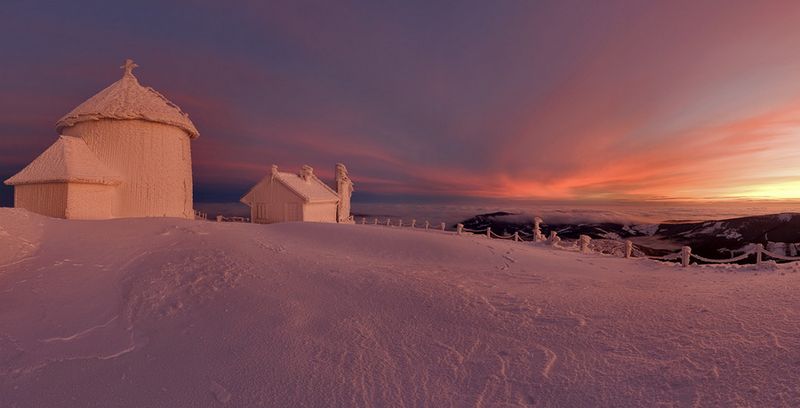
[363, 220]
[400, 223]
[219, 217]
[759, 251]
[388, 222]
[628, 248]
[584, 242]
[537, 229]
[488, 232]
[376, 221]
[459, 228]
[443, 226]
[686, 253]
[413, 223]
[427, 225]
[554, 239]
[516, 236]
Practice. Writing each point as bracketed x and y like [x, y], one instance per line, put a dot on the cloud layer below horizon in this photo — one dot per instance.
[555, 100]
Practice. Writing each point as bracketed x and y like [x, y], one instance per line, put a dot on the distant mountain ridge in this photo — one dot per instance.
[779, 233]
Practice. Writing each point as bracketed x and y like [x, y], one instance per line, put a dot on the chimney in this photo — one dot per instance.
[306, 172]
[344, 187]
[341, 172]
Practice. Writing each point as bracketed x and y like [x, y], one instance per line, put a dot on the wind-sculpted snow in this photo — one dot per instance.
[178, 313]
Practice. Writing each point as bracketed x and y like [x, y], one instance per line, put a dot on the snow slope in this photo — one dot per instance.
[178, 313]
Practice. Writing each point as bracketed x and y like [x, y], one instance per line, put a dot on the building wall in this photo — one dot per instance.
[154, 159]
[90, 201]
[273, 202]
[48, 199]
[320, 212]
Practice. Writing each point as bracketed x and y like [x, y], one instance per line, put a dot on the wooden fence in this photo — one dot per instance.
[685, 256]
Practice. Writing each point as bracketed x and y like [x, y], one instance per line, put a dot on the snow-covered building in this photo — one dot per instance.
[125, 152]
[282, 197]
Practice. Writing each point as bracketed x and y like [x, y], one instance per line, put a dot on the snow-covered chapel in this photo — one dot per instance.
[125, 152]
[282, 196]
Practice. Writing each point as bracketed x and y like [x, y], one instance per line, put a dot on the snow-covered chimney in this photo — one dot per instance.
[344, 187]
[306, 172]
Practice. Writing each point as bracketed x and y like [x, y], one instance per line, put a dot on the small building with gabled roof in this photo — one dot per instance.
[66, 181]
[127, 147]
[284, 197]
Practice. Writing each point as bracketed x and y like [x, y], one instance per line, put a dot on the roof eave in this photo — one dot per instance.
[322, 201]
[70, 121]
[12, 182]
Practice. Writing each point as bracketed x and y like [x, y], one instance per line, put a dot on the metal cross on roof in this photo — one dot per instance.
[129, 66]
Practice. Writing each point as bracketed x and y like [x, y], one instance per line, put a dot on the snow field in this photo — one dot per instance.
[178, 313]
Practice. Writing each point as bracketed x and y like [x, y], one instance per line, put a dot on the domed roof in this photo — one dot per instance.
[127, 99]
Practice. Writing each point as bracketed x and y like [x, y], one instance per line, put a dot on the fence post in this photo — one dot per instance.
[376, 221]
[459, 228]
[584, 242]
[686, 253]
[427, 225]
[388, 222]
[219, 218]
[516, 236]
[554, 239]
[413, 223]
[442, 226]
[488, 232]
[759, 250]
[363, 220]
[628, 248]
[400, 223]
[537, 230]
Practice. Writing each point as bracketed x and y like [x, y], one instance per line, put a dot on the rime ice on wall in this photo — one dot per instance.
[48, 199]
[154, 159]
[127, 138]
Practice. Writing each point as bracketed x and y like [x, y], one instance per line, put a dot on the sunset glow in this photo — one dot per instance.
[633, 101]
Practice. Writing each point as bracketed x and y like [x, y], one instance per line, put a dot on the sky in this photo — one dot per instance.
[436, 100]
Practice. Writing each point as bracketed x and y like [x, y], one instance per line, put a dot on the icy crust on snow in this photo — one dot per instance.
[179, 313]
[127, 99]
[67, 160]
[20, 235]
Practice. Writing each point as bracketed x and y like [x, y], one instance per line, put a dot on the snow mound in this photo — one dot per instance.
[179, 313]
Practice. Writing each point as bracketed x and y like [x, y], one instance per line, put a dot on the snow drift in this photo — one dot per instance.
[178, 313]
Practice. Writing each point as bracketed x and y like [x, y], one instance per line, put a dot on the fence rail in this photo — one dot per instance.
[583, 243]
